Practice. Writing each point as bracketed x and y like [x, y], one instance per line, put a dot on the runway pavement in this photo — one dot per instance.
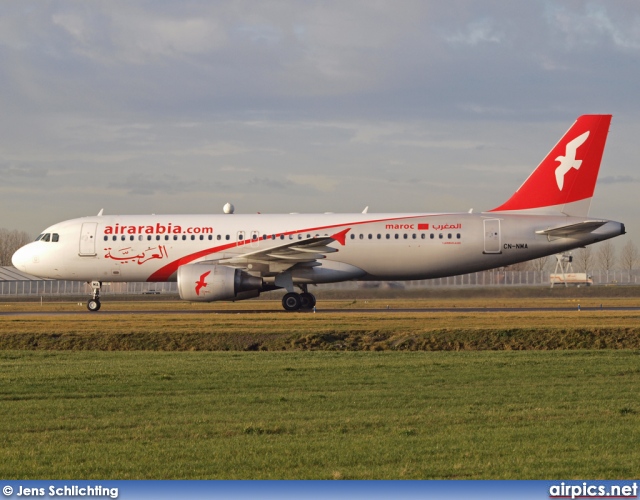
[506, 310]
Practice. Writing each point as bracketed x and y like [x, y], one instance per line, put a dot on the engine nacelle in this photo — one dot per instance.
[207, 283]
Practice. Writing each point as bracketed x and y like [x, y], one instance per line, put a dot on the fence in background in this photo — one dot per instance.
[55, 287]
[487, 278]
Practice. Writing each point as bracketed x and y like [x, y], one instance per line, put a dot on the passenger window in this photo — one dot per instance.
[131, 238]
[397, 236]
[115, 238]
[458, 235]
[184, 237]
[353, 236]
[227, 237]
[240, 236]
[201, 237]
[449, 236]
[432, 236]
[388, 236]
[414, 236]
[106, 238]
[140, 238]
[166, 237]
[193, 237]
[175, 237]
[362, 236]
[55, 237]
[210, 237]
[219, 237]
[406, 236]
[157, 237]
[282, 236]
[423, 236]
[149, 238]
[370, 236]
[440, 236]
[379, 236]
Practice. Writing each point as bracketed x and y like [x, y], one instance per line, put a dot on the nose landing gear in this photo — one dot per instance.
[93, 303]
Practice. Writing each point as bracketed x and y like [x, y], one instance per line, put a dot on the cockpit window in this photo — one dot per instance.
[39, 237]
[55, 237]
[46, 237]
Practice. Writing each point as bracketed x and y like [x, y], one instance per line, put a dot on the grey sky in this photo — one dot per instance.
[304, 106]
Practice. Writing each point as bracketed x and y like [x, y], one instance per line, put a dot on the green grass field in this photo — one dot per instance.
[476, 395]
[175, 415]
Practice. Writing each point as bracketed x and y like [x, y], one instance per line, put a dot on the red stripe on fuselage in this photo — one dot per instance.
[165, 272]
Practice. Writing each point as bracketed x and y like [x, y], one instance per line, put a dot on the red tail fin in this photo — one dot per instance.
[565, 180]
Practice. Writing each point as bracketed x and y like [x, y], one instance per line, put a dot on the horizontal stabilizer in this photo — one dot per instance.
[587, 226]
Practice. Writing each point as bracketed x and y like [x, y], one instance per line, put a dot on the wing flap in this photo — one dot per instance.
[287, 255]
[314, 249]
[298, 257]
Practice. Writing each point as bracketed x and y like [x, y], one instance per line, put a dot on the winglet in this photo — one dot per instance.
[566, 179]
[341, 236]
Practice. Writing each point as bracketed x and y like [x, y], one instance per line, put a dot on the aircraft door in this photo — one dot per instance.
[492, 236]
[88, 239]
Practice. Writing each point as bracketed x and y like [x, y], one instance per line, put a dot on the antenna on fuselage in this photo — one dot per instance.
[100, 212]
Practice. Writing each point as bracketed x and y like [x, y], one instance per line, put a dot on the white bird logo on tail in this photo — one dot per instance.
[568, 161]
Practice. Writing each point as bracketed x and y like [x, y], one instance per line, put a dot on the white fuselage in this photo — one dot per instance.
[376, 246]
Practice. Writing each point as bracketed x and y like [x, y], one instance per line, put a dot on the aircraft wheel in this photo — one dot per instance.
[307, 300]
[291, 301]
[93, 305]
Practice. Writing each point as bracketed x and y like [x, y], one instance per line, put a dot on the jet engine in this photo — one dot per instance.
[207, 283]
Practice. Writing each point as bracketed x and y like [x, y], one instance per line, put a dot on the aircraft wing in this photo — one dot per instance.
[572, 229]
[277, 259]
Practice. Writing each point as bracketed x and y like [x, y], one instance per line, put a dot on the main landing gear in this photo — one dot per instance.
[94, 302]
[293, 301]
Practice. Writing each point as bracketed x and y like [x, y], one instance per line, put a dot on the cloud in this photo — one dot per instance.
[588, 27]
[332, 105]
[321, 183]
[22, 171]
[476, 32]
[127, 34]
[145, 185]
[271, 184]
[617, 179]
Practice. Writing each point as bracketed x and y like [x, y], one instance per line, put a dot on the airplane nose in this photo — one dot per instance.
[21, 258]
